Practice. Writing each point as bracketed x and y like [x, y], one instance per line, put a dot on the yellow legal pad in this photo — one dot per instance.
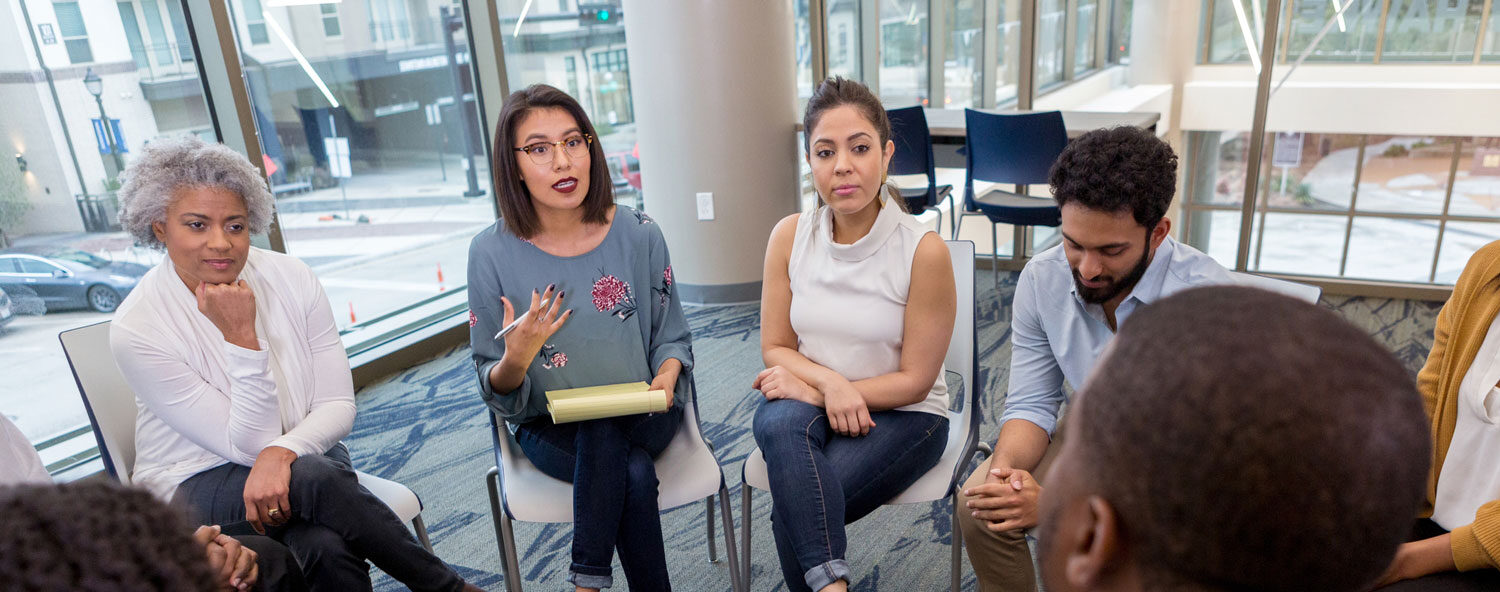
[610, 400]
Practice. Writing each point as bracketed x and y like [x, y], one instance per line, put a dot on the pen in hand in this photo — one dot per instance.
[516, 323]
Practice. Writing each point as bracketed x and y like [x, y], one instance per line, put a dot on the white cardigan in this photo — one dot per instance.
[202, 401]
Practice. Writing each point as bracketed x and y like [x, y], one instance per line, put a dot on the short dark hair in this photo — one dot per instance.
[1249, 441]
[96, 536]
[516, 209]
[837, 92]
[1116, 170]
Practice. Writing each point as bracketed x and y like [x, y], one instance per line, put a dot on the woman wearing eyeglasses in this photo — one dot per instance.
[593, 283]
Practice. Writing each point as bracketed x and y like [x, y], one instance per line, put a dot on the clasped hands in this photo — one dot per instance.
[847, 413]
[233, 564]
[1006, 501]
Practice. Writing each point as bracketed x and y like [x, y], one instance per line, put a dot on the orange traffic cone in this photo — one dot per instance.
[441, 287]
[351, 313]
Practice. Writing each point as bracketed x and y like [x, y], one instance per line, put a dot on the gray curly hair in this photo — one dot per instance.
[165, 165]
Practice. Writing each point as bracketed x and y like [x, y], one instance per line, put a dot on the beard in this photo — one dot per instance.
[1115, 287]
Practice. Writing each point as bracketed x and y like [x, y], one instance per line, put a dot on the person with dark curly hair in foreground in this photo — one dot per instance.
[242, 563]
[1117, 256]
[96, 537]
[1235, 439]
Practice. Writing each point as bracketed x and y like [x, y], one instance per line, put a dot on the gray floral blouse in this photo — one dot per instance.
[627, 318]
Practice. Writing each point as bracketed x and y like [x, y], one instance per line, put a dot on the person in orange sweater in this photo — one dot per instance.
[1455, 544]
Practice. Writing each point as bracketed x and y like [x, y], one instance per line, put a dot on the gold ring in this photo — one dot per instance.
[273, 512]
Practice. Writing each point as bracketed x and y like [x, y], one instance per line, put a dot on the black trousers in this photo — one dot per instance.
[279, 571]
[336, 525]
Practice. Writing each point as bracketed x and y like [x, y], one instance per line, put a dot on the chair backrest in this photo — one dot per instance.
[963, 347]
[913, 141]
[1015, 148]
[106, 396]
[1303, 292]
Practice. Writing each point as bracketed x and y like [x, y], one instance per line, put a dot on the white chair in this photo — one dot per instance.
[112, 411]
[687, 471]
[963, 426]
[1304, 292]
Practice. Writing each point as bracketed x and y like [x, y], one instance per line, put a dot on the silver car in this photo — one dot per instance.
[60, 278]
[7, 314]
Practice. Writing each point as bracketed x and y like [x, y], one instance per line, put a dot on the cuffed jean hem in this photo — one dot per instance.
[583, 580]
[821, 576]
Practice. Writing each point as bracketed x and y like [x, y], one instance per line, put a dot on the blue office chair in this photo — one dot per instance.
[914, 157]
[1016, 149]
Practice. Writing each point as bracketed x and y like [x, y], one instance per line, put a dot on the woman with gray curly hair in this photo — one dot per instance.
[242, 384]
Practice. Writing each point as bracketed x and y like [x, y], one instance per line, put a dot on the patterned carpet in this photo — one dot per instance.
[427, 428]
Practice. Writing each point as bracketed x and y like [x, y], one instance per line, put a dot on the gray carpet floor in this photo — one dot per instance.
[426, 427]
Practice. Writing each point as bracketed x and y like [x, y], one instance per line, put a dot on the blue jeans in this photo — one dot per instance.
[336, 524]
[610, 464]
[821, 481]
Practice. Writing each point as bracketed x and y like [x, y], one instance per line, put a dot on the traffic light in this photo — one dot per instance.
[599, 14]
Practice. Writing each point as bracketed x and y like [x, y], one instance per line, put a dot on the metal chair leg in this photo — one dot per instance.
[734, 570]
[421, 528]
[952, 214]
[745, 521]
[504, 535]
[995, 252]
[713, 553]
[957, 544]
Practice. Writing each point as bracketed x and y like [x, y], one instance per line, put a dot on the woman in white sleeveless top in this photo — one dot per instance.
[856, 312]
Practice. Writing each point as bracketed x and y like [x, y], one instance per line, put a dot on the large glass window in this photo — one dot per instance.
[962, 73]
[1008, 71]
[802, 36]
[75, 35]
[1352, 38]
[1432, 30]
[132, 30]
[1087, 26]
[179, 29]
[64, 260]
[1051, 41]
[1490, 45]
[1353, 30]
[331, 27]
[1229, 26]
[903, 53]
[540, 51]
[255, 23]
[162, 50]
[1119, 36]
[375, 155]
[1390, 208]
[844, 56]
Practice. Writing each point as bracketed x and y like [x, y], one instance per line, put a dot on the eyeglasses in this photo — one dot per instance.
[542, 152]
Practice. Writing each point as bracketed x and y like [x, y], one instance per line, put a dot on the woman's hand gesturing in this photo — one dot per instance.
[539, 325]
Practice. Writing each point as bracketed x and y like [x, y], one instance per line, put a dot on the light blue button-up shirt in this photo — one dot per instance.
[1056, 336]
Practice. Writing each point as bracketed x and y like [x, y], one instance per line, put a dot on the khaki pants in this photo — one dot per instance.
[1001, 560]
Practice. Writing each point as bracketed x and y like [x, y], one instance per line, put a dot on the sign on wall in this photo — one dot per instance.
[48, 35]
[1288, 150]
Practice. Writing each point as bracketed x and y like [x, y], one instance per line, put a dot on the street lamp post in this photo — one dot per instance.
[453, 22]
[95, 86]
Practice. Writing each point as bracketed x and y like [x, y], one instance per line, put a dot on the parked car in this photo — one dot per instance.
[67, 278]
[6, 314]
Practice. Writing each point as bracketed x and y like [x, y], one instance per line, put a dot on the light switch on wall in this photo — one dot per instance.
[705, 206]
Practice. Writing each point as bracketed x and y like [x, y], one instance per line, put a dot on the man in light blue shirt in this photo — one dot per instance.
[1114, 187]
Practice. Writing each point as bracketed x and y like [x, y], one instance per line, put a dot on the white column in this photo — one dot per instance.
[714, 90]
